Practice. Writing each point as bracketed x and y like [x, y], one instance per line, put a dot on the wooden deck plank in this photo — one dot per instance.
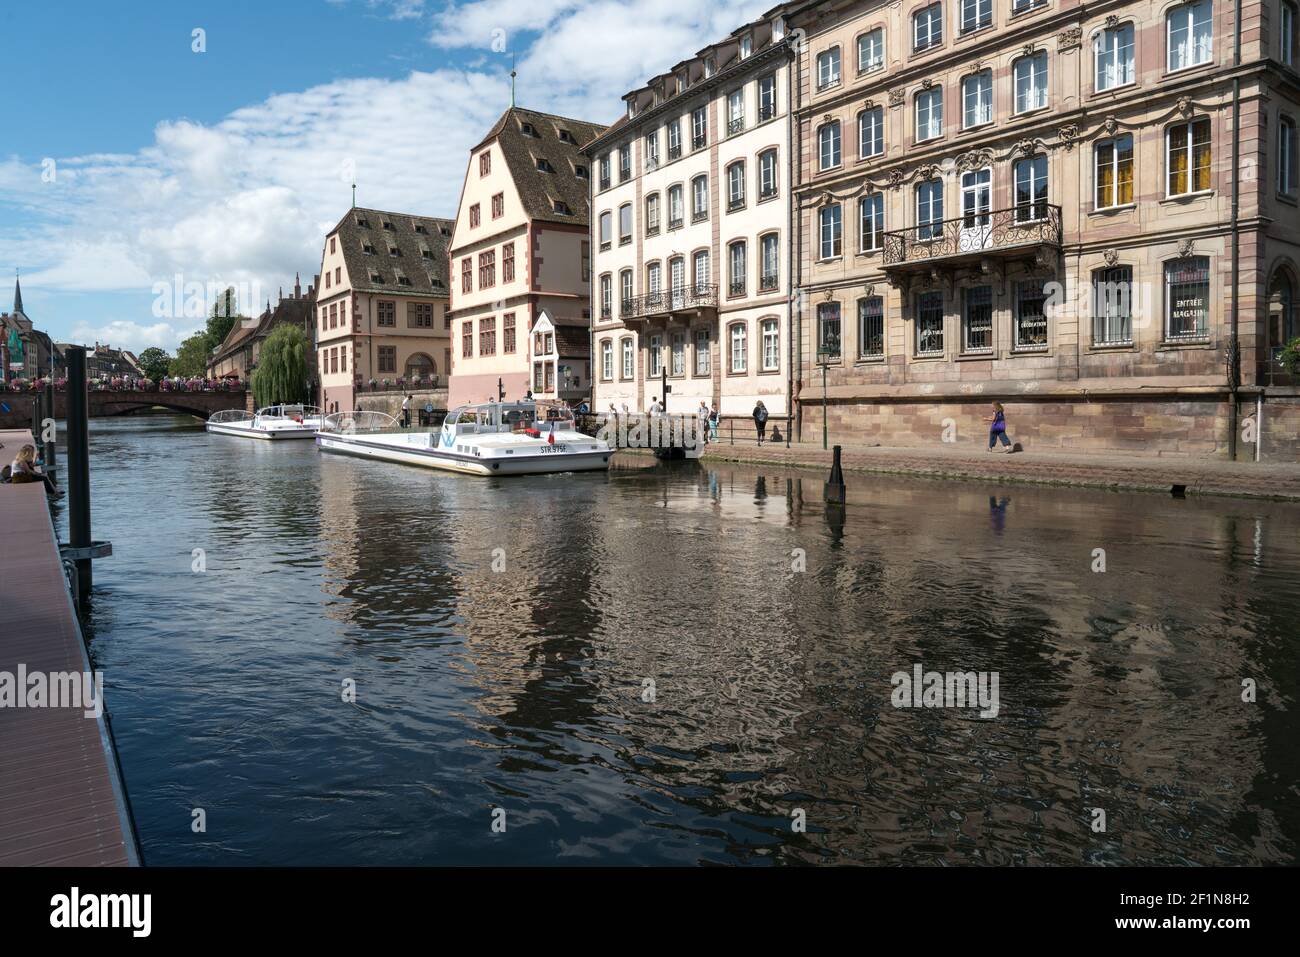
[61, 802]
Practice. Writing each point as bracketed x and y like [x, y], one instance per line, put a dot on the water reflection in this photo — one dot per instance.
[501, 635]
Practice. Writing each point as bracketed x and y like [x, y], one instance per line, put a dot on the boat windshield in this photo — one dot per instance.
[509, 417]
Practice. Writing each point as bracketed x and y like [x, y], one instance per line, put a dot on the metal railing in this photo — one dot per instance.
[964, 235]
[735, 126]
[665, 301]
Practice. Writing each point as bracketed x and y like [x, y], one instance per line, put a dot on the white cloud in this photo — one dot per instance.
[124, 334]
[249, 198]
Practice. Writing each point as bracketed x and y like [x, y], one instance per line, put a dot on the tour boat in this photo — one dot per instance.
[495, 438]
[275, 422]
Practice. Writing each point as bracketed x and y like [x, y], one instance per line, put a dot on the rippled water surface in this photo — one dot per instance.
[522, 688]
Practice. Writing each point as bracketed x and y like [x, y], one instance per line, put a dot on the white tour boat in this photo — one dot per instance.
[495, 438]
[275, 422]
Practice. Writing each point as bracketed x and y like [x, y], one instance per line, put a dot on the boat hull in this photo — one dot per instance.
[266, 435]
[533, 463]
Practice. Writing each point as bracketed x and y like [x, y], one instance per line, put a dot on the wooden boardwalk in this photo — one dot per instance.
[62, 801]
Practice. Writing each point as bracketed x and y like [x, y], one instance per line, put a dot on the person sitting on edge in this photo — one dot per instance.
[24, 469]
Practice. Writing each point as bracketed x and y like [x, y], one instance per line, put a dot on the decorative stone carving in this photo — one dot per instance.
[896, 178]
[869, 104]
[825, 199]
[1069, 38]
[927, 83]
[1025, 147]
[975, 159]
[1185, 105]
[828, 117]
[1112, 21]
[1067, 135]
[869, 290]
[929, 171]
[1186, 247]
[1110, 125]
[897, 96]
[1029, 49]
[1111, 256]
[828, 295]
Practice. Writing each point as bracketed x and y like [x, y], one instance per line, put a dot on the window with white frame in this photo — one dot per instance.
[828, 68]
[737, 268]
[1030, 318]
[702, 351]
[767, 174]
[625, 224]
[652, 214]
[652, 149]
[828, 144]
[1114, 172]
[1030, 175]
[736, 185]
[771, 336]
[1190, 34]
[927, 27]
[606, 296]
[766, 97]
[675, 208]
[1187, 157]
[699, 198]
[770, 249]
[702, 273]
[606, 229]
[1288, 157]
[1187, 298]
[929, 113]
[871, 231]
[1113, 52]
[929, 323]
[699, 128]
[976, 14]
[871, 132]
[677, 354]
[739, 347]
[736, 111]
[977, 99]
[830, 226]
[656, 356]
[653, 278]
[871, 50]
[625, 292]
[871, 327]
[929, 210]
[1029, 74]
[629, 358]
[606, 360]
[674, 139]
[1112, 305]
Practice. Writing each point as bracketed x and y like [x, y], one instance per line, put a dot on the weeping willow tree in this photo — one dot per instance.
[281, 373]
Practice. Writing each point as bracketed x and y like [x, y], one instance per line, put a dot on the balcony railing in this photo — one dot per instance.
[989, 232]
[675, 152]
[766, 282]
[735, 125]
[665, 301]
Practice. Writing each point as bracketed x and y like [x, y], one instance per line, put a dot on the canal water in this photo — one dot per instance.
[683, 664]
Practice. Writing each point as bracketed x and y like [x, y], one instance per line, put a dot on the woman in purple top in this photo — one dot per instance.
[998, 428]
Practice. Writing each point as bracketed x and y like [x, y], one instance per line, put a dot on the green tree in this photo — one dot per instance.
[281, 373]
[154, 363]
[1290, 356]
[225, 313]
[191, 358]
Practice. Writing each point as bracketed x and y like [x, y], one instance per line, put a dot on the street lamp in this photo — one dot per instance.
[828, 351]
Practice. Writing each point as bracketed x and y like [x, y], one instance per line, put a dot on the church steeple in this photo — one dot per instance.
[18, 297]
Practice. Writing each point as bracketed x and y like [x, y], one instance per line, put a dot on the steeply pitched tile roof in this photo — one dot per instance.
[539, 190]
[420, 264]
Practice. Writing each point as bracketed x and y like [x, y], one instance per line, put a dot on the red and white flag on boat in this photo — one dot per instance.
[550, 436]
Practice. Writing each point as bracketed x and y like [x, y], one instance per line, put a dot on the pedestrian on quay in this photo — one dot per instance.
[704, 422]
[406, 411]
[998, 429]
[713, 424]
[25, 469]
[760, 420]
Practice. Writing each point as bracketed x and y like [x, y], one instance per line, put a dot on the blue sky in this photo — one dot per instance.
[128, 160]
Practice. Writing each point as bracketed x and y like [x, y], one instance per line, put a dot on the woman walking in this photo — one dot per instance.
[998, 429]
[713, 424]
[760, 420]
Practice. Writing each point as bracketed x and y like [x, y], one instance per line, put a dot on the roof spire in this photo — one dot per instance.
[354, 195]
[513, 74]
[18, 295]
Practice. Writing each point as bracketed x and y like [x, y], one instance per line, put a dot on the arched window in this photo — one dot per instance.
[421, 366]
[828, 145]
[1283, 321]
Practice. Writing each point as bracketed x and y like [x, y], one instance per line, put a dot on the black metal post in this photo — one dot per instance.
[79, 465]
[52, 445]
[835, 484]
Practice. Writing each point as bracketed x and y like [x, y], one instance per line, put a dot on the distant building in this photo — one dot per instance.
[237, 355]
[521, 251]
[382, 304]
[25, 352]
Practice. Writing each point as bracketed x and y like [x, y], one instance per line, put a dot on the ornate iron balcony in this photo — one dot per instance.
[667, 301]
[974, 236]
[735, 126]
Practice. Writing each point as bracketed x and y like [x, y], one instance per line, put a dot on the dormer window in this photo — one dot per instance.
[367, 248]
[363, 222]
[528, 129]
[393, 251]
[778, 28]
[544, 165]
[566, 137]
[562, 208]
[387, 225]
[746, 46]
[425, 252]
[376, 277]
[419, 228]
[580, 172]
[710, 66]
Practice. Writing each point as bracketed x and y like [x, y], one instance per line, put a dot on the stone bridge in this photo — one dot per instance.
[103, 402]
